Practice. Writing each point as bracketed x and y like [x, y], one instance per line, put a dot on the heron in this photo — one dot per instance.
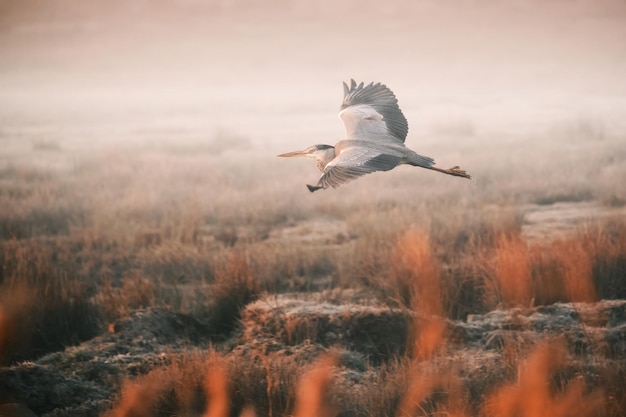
[375, 133]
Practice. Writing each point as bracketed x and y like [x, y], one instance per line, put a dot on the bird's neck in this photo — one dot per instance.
[325, 157]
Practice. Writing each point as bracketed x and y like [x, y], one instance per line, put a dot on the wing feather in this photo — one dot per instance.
[372, 113]
[355, 161]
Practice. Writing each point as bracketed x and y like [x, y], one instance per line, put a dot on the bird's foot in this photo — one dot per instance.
[458, 172]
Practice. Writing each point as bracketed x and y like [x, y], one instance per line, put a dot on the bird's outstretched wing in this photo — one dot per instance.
[356, 159]
[371, 113]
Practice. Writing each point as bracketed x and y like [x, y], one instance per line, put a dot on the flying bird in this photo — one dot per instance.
[375, 134]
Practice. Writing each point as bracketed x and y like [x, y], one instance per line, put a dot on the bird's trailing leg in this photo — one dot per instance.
[455, 170]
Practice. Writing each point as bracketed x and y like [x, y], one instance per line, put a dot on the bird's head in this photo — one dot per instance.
[320, 152]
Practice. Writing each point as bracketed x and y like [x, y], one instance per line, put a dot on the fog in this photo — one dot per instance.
[181, 70]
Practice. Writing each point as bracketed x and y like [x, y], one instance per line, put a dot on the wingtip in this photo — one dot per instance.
[354, 86]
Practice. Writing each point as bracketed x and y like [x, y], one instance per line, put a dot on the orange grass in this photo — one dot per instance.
[15, 322]
[510, 280]
[417, 272]
[178, 388]
[313, 389]
[532, 394]
[216, 389]
[424, 386]
[138, 398]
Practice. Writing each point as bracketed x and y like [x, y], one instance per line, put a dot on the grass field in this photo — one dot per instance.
[89, 238]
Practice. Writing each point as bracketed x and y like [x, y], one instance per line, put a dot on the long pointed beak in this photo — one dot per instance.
[292, 154]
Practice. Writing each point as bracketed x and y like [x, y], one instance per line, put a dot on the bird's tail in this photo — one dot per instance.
[421, 161]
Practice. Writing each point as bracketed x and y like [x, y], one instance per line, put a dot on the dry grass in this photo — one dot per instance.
[161, 233]
[517, 273]
[417, 276]
[53, 308]
[533, 393]
[209, 385]
[314, 389]
[194, 384]
[509, 279]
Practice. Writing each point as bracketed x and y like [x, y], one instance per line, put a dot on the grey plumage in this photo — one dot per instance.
[381, 99]
[375, 133]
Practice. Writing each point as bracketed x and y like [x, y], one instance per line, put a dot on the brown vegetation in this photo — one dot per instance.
[532, 395]
[410, 295]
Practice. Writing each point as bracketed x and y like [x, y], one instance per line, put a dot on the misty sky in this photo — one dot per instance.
[273, 71]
